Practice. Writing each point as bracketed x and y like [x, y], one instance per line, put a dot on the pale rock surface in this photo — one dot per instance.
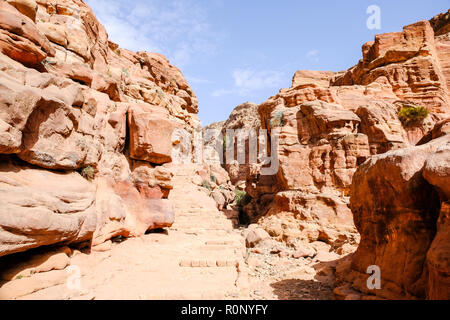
[68, 97]
[34, 213]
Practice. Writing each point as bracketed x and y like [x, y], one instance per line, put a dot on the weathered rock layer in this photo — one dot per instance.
[73, 104]
[333, 124]
[400, 205]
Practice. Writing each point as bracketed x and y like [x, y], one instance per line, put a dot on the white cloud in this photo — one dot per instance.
[247, 81]
[250, 80]
[223, 92]
[198, 80]
[313, 55]
[178, 29]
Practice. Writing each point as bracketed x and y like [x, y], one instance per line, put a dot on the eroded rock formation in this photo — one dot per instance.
[330, 124]
[89, 137]
[400, 205]
[233, 133]
[73, 104]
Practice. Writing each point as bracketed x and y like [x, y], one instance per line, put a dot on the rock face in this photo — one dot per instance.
[40, 207]
[330, 123]
[319, 149]
[400, 205]
[72, 105]
[232, 133]
[243, 119]
[150, 134]
[215, 182]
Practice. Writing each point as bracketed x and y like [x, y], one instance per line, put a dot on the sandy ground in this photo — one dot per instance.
[202, 256]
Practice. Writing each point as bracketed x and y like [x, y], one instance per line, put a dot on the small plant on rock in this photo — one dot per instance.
[241, 198]
[411, 115]
[213, 178]
[88, 173]
[206, 185]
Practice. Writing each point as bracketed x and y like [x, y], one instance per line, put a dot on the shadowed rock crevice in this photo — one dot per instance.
[398, 212]
[295, 289]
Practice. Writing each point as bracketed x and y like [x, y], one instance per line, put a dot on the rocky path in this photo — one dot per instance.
[202, 256]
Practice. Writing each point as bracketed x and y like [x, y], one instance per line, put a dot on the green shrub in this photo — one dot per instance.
[206, 185]
[410, 115]
[88, 173]
[241, 198]
[125, 70]
[213, 178]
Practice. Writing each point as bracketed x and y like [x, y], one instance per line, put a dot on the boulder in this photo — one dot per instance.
[399, 203]
[40, 208]
[304, 250]
[255, 236]
[150, 134]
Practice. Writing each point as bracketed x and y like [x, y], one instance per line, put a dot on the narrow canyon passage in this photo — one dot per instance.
[115, 184]
[202, 256]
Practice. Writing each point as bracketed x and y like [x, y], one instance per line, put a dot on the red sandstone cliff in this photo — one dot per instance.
[72, 102]
[333, 124]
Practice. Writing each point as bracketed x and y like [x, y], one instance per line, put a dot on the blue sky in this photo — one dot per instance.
[232, 51]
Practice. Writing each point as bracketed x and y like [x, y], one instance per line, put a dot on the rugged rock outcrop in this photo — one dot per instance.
[72, 105]
[91, 135]
[400, 205]
[213, 143]
[319, 149]
[329, 123]
[40, 207]
[244, 121]
[233, 133]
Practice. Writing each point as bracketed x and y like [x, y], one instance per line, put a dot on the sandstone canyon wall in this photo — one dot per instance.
[229, 134]
[333, 124]
[85, 129]
[399, 200]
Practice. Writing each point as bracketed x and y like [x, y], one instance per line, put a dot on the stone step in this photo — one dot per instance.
[227, 225]
[222, 243]
[207, 263]
[224, 224]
